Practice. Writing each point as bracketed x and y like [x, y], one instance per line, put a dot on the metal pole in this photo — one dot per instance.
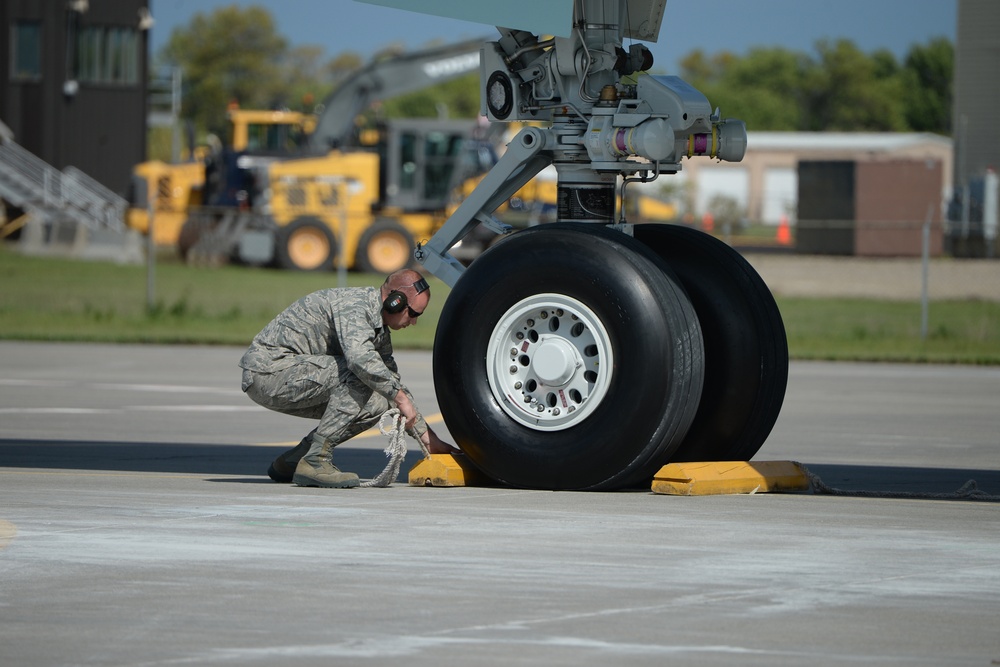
[175, 114]
[963, 179]
[342, 264]
[925, 265]
[991, 210]
[151, 251]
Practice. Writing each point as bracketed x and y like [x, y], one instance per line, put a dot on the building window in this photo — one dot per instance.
[108, 55]
[26, 50]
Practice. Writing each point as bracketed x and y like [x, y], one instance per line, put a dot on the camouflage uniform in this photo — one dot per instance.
[328, 356]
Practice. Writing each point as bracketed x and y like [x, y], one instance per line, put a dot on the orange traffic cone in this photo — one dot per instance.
[707, 222]
[784, 235]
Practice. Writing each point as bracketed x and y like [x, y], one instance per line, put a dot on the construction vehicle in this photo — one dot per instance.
[310, 193]
[589, 352]
[365, 209]
[177, 188]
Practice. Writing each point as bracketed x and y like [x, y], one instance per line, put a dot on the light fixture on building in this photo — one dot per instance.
[80, 6]
[145, 19]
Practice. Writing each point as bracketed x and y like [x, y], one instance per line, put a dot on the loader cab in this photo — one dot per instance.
[269, 132]
[256, 139]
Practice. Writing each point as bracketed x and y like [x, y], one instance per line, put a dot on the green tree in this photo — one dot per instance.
[840, 88]
[458, 98]
[848, 92]
[699, 69]
[230, 55]
[767, 86]
[928, 74]
[305, 79]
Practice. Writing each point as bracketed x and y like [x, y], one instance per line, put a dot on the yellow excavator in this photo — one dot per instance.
[311, 192]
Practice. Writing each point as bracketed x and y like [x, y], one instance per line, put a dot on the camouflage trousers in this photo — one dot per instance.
[343, 404]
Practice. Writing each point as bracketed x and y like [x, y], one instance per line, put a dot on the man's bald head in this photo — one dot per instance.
[411, 285]
[402, 279]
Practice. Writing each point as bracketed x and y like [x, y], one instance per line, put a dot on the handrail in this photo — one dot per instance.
[71, 191]
[110, 206]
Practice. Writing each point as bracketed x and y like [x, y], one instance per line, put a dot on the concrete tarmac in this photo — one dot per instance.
[138, 527]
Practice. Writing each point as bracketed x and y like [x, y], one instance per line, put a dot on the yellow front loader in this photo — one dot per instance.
[175, 189]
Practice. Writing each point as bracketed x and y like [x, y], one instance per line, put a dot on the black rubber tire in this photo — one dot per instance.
[363, 259]
[746, 351]
[285, 252]
[652, 393]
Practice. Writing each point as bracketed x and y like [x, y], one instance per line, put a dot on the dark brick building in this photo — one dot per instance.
[73, 83]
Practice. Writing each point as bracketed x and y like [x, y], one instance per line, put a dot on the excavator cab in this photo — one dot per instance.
[423, 161]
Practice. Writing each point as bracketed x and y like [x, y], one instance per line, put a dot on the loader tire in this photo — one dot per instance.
[306, 244]
[386, 246]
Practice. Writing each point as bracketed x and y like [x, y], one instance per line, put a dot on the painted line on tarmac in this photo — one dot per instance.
[168, 388]
[116, 473]
[191, 408]
[370, 433]
[7, 533]
[56, 411]
[127, 408]
[6, 382]
[119, 386]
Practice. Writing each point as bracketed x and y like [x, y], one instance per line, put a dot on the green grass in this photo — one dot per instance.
[965, 332]
[67, 300]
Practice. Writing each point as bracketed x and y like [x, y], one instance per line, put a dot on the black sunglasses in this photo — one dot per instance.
[414, 314]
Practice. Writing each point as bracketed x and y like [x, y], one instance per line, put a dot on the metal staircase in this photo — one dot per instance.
[70, 212]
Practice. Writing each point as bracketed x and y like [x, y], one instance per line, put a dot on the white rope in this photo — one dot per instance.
[968, 491]
[395, 450]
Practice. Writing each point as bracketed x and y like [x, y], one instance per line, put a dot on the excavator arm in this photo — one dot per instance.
[385, 78]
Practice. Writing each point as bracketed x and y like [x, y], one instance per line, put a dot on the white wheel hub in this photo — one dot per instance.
[555, 361]
[549, 362]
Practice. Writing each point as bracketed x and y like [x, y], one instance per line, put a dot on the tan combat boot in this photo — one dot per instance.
[283, 467]
[316, 469]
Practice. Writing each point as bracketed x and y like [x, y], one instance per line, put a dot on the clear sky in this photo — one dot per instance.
[734, 25]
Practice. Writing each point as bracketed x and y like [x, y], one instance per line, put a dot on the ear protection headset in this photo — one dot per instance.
[397, 302]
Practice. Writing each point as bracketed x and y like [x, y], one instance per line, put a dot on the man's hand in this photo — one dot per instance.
[406, 408]
[436, 445]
